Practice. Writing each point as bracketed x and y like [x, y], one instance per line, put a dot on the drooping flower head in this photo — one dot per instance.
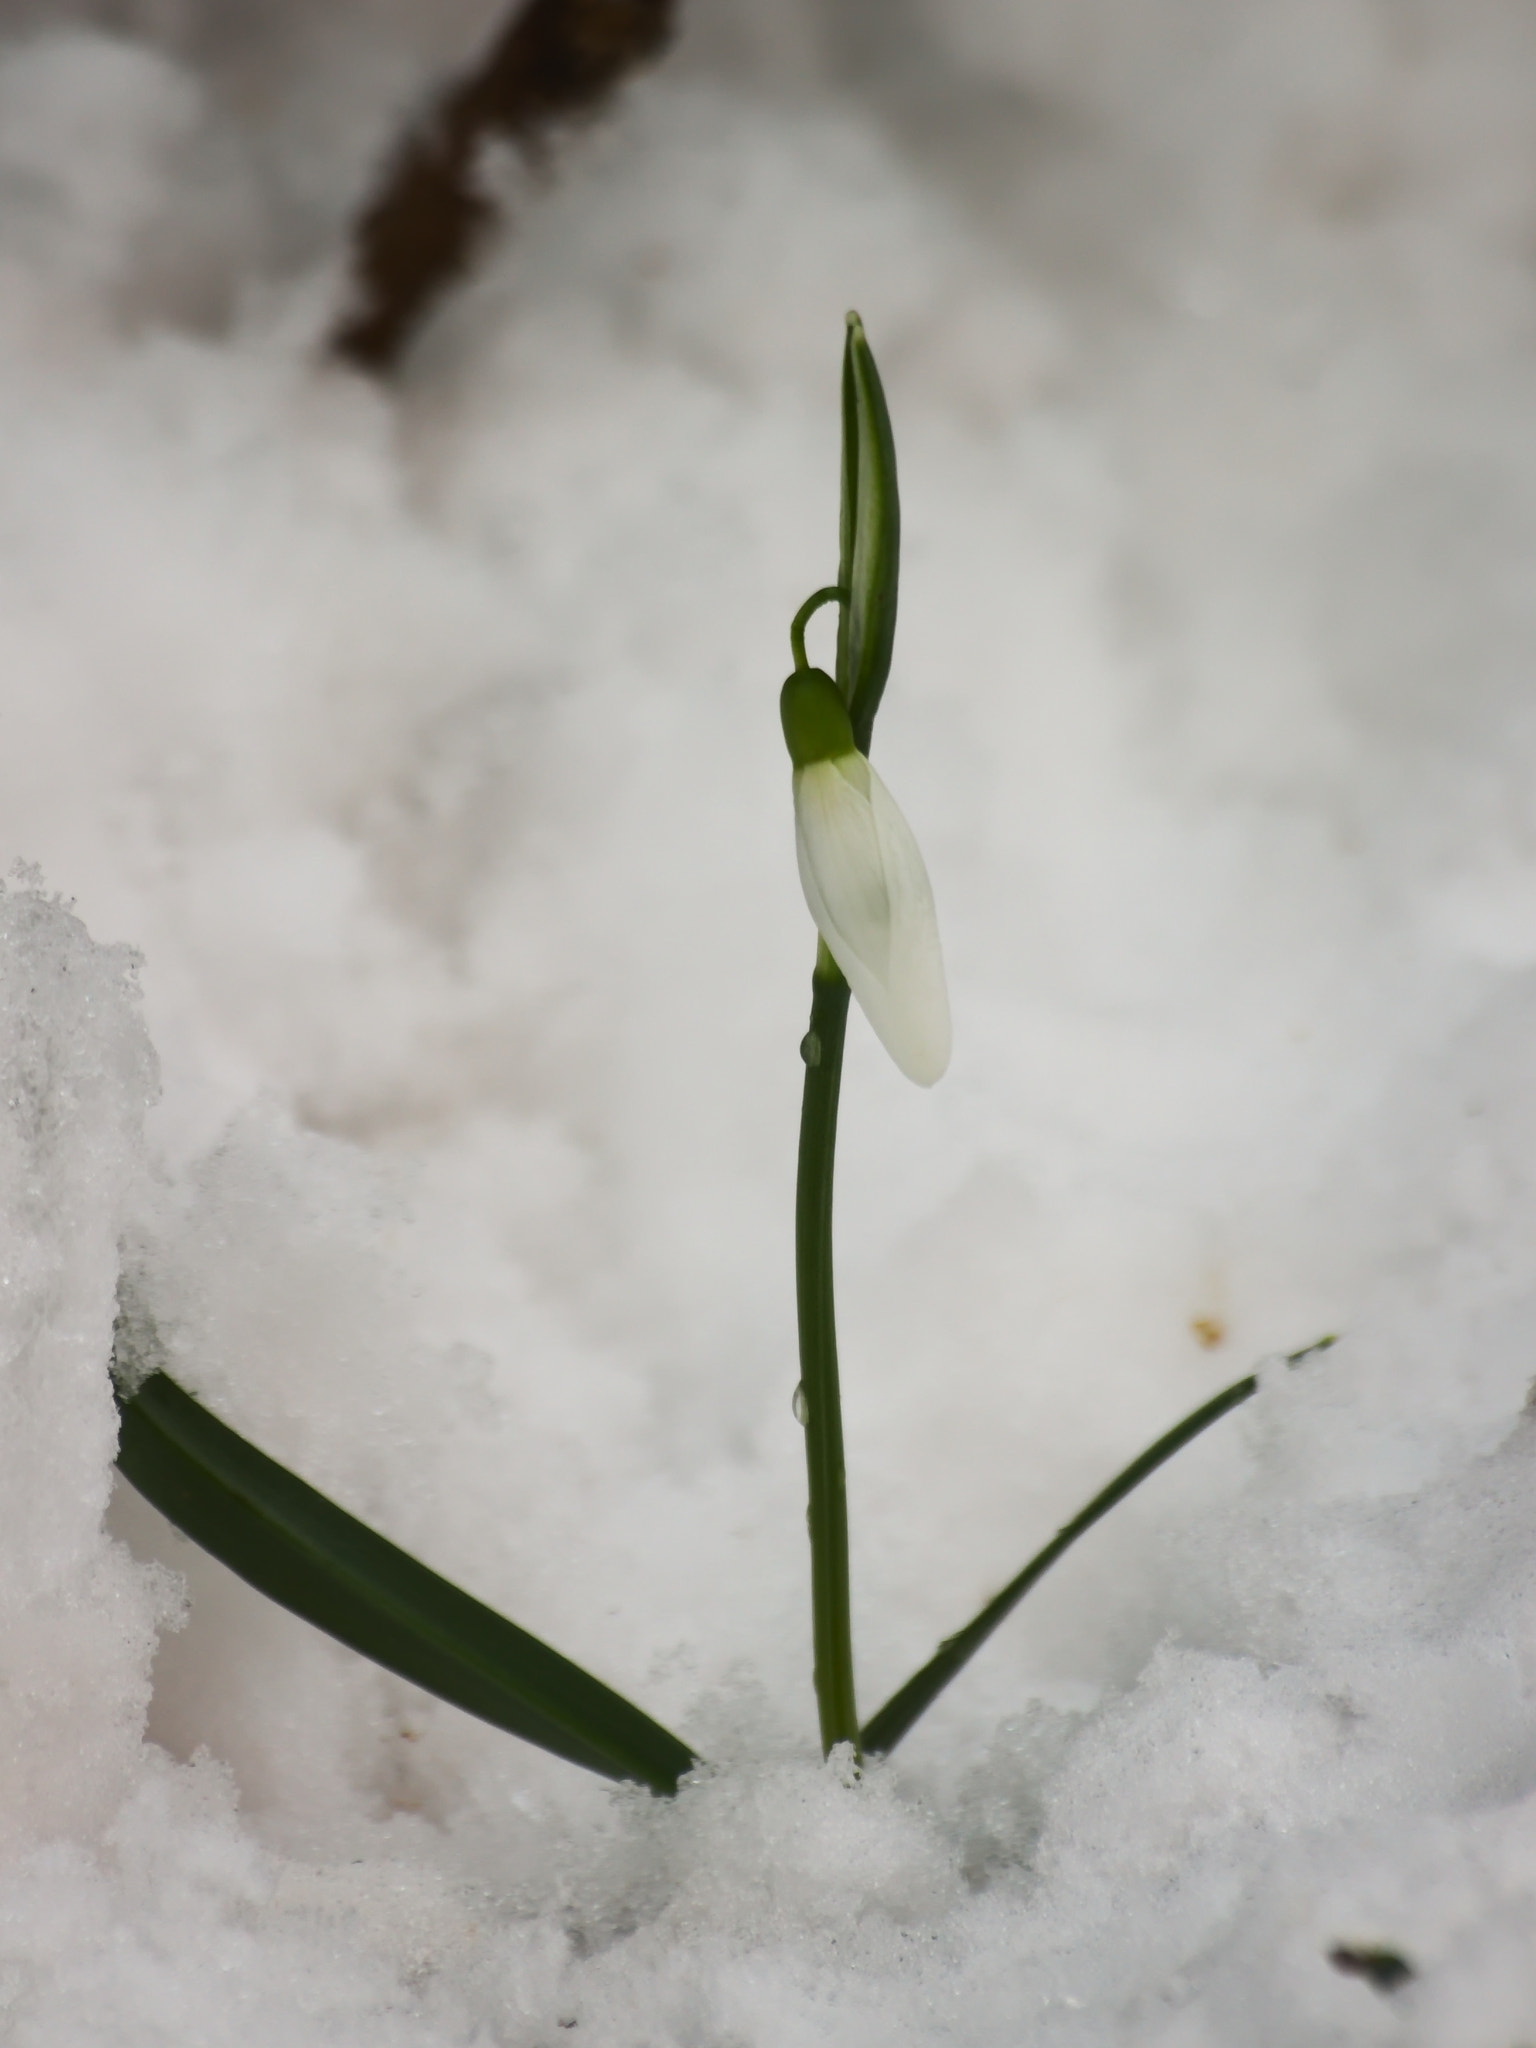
[864, 880]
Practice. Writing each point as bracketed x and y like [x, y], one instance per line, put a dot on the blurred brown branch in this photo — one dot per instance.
[554, 61]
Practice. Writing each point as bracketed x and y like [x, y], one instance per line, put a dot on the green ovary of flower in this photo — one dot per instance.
[814, 717]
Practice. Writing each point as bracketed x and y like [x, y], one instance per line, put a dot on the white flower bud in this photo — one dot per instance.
[868, 891]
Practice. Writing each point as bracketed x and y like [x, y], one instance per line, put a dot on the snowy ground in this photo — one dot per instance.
[424, 745]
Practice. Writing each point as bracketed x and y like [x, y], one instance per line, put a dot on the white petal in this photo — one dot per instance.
[868, 891]
[841, 867]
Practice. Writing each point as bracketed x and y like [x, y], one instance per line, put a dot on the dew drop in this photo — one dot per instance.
[799, 1405]
[810, 1049]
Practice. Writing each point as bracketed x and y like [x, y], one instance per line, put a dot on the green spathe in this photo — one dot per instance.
[869, 553]
[815, 718]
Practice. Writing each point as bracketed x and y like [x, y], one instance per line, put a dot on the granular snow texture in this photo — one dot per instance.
[422, 743]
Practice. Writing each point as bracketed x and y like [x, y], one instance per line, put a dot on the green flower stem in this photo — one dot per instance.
[821, 1402]
[868, 559]
[886, 1728]
[828, 594]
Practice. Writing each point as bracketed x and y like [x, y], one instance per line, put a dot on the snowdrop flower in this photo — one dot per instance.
[864, 880]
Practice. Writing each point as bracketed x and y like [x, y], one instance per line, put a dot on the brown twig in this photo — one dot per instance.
[553, 62]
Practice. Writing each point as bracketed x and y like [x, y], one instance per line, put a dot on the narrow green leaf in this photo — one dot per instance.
[300, 1549]
[870, 537]
[885, 1729]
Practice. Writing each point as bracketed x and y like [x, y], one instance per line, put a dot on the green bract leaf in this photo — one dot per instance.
[300, 1549]
[870, 537]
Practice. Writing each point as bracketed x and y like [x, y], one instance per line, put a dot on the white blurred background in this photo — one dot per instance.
[423, 741]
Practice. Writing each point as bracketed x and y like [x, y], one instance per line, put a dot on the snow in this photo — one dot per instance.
[423, 746]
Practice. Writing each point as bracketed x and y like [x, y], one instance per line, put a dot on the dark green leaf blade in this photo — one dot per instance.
[884, 1730]
[300, 1549]
[870, 532]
